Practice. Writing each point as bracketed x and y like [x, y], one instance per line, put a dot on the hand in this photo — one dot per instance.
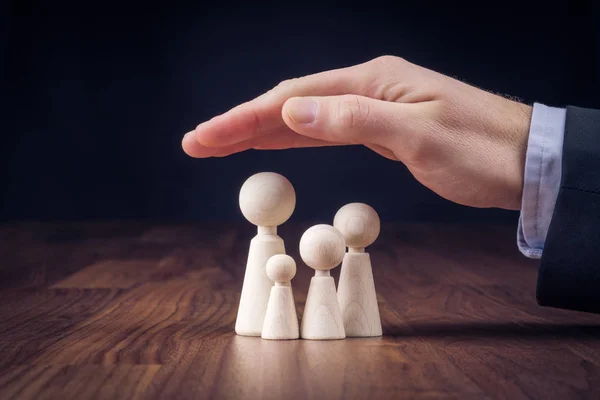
[465, 144]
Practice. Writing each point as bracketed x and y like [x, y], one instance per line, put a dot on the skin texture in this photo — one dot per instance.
[464, 143]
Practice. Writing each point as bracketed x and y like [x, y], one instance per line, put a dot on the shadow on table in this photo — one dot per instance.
[495, 330]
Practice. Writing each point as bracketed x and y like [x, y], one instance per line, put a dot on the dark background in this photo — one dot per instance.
[96, 98]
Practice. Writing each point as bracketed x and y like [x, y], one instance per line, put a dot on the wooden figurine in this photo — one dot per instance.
[322, 248]
[360, 225]
[281, 320]
[267, 199]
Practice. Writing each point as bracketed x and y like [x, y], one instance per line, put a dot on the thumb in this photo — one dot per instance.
[349, 119]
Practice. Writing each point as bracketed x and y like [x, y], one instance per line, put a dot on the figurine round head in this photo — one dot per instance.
[359, 223]
[322, 247]
[281, 268]
[267, 199]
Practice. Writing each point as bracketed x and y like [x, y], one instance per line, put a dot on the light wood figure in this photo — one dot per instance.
[322, 248]
[281, 320]
[360, 225]
[267, 200]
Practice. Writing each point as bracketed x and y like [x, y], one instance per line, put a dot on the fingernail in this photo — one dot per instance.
[303, 111]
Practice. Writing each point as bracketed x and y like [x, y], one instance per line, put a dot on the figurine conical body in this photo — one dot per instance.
[257, 285]
[357, 297]
[322, 318]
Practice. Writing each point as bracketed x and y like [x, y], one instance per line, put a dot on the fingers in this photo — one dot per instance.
[262, 116]
[285, 139]
[261, 124]
[289, 140]
[194, 149]
[347, 119]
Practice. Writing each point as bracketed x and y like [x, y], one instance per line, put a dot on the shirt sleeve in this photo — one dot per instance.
[543, 162]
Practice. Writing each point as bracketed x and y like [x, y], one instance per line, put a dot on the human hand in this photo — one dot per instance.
[464, 143]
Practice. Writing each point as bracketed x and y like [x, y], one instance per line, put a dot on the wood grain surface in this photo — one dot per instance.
[139, 310]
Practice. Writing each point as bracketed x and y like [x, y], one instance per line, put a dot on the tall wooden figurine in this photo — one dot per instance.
[322, 248]
[267, 200]
[359, 223]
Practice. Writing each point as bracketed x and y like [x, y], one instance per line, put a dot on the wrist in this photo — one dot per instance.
[521, 127]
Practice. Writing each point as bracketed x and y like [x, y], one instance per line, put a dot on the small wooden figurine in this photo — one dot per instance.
[281, 320]
[322, 248]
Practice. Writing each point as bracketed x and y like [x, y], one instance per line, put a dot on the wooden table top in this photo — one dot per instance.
[116, 310]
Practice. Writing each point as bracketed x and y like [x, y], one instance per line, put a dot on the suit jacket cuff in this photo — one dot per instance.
[569, 273]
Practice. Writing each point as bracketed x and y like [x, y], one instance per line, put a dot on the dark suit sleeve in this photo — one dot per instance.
[569, 274]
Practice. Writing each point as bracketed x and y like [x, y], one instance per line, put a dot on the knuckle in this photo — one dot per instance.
[352, 113]
[387, 61]
[287, 83]
[384, 71]
[283, 85]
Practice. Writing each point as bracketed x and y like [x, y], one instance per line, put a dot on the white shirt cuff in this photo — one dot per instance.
[543, 163]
